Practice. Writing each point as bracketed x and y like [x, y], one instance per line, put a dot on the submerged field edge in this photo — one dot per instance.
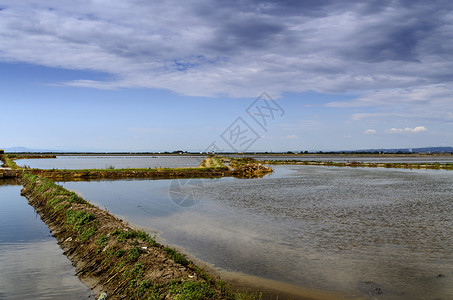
[354, 164]
[112, 257]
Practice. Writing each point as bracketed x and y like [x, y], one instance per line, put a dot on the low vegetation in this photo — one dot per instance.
[8, 161]
[127, 263]
[213, 162]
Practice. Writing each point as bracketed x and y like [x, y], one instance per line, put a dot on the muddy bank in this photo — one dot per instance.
[8, 173]
[111, 256]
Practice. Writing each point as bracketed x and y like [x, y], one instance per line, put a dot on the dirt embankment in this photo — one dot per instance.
[112, 257]
[212, 167]
[161, 173]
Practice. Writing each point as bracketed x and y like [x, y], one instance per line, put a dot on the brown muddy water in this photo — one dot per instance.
[367, 233]
[32, 265]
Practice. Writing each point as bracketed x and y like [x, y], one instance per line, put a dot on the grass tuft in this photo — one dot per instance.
[176, 256]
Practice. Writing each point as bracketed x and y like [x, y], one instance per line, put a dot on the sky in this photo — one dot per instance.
[136, 75]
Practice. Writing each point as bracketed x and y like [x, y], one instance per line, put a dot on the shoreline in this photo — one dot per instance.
[269, 289]
[113, 257]
[354, 164]
[211, 167]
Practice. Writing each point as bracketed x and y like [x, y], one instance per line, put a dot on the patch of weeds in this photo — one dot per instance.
[192, 290]
[119, 266]
[10, 163]
[134, 253]
[60, 207]
[50, 191]
[137, 270]
[146, 290]
[88, 234]
[124, 235]
[102, 242]
[143, 286]
[225, 289]
[119, 253]
[79, 220]
[176, 256]
[74, 198]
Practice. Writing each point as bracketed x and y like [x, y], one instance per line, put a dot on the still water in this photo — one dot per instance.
[365, 232]
[117, 162]
[363, 158]
[32, 265]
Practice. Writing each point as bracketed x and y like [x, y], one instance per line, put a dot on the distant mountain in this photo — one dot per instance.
[411, 150]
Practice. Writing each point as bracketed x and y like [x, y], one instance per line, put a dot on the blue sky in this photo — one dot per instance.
[167, 75]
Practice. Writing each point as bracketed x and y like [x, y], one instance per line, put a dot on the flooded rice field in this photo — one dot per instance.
[362, 232]
[32, 265]
[116, 162]
[362, 158]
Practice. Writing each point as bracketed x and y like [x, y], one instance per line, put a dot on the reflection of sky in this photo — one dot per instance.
[31, 262]
[103, 162]
[372, 159]
[331, 228]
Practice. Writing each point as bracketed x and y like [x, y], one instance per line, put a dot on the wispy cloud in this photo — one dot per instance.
[370, 131]
[239, 48]
[417, 129]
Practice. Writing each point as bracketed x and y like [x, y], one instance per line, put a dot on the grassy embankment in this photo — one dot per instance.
[211, 167]
[113, 257]
[436, 166]
[8, 161]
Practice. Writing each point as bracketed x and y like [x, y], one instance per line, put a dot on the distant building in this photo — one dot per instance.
[2, 151]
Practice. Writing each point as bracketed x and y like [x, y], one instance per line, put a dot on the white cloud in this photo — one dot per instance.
[417, 129]
[291, 137]
[370, 131]
[207, 48]
[419, 95]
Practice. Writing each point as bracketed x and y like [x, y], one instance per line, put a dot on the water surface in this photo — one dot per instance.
[31, 262]
[117, 162]
[362, 158]
[364, 232]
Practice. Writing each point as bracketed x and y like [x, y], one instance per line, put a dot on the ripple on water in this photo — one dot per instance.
[360, 231]
[31, 262]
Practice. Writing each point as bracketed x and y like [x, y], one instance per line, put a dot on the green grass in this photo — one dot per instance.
[123, 235]
[219, 162]
[192, 290]
[102, 241]
[52, 192]
[82, 223]
[239, 162]
[176, 256]
[120, 251]
[134, 254]
[9, 162]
